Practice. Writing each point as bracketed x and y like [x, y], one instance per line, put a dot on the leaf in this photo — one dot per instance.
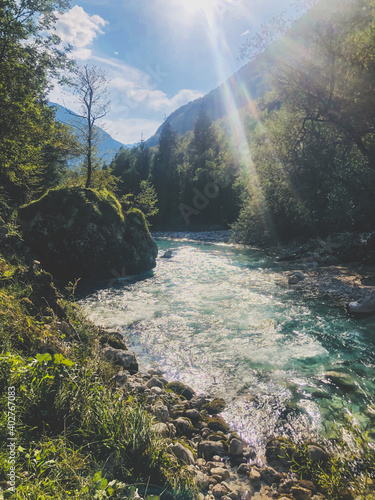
[61, 360]
[41, 358]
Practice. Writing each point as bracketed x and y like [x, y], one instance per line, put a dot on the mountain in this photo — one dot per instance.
[107, 147]
[253, 80]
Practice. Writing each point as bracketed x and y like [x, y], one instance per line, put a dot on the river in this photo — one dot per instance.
[221, 320]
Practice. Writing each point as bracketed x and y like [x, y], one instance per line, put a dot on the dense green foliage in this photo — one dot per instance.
[77, 232]
[192, 178]
[313, 147]
[77, 435]
[33, 145]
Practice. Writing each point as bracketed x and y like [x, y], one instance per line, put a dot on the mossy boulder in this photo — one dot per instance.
[215, 406]
[180, 389]
[77, 232]
[217, 423]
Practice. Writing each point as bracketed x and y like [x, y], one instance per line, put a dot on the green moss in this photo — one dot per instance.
[76, 203]
[113, 341]
[180, 389]
[77, 232]
[214, 407]
[217, 423]
[134, 215]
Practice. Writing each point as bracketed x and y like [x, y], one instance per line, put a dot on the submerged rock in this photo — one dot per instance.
[342, 380]
[296, 278]
[78, 232]
[363, 307]
[235, 447]
[168, 254]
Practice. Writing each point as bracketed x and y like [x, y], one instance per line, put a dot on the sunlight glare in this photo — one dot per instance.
[208, 7]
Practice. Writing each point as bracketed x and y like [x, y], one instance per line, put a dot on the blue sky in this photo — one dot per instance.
[158, 54]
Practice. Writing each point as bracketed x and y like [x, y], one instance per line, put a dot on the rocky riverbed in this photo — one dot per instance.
[341, 266]
[221, 463]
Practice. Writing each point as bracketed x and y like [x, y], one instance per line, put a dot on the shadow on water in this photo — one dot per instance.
[88, 287]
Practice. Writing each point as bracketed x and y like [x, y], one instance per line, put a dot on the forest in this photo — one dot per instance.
[304, 167]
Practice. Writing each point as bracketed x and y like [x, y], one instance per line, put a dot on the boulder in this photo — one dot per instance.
[168, 254]
[362, 308]
[317, 454]
[279, 453]
[161, 429]
[180, 389]
[235, 447]
[193, 414]
[208, 449]
[220, 490]
[155, 382]
[182, 453]
[201, 480]
[160, 411]
[300, 493]
[184, 426]
[221, 472]
[77, 232]
[270, 475]
[342, 380]
[296, 278]
[214, 407]
[126, 359]
[217, 423]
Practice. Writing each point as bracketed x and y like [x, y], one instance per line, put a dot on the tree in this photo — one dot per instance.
[146, 200]
[90, 84]
[29, 57]
[164, 174]
[314, 153]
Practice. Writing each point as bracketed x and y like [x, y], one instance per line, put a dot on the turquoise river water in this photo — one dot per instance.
[219, 319]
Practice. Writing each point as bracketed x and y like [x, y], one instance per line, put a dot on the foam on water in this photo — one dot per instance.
[218, 319]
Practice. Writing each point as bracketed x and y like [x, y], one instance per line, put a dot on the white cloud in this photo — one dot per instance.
[79, 29]
[128, 96]
[128, 131]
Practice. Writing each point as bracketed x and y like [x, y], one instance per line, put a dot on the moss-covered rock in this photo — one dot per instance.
[180, 389]
[217, 423]
[78, 232]
[215, 406]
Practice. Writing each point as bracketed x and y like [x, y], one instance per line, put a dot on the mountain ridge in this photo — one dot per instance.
[107, 147]
[252, 80]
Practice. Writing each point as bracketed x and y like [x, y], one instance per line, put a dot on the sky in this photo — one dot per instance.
[158, 54]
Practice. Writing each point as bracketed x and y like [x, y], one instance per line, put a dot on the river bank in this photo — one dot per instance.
[222, 465]
[95, 373]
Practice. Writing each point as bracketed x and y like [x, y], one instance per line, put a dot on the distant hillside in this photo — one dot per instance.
[108, 147]
[252, 80]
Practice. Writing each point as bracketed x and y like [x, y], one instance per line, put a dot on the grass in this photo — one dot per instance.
[349, 471]
[77, 435]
